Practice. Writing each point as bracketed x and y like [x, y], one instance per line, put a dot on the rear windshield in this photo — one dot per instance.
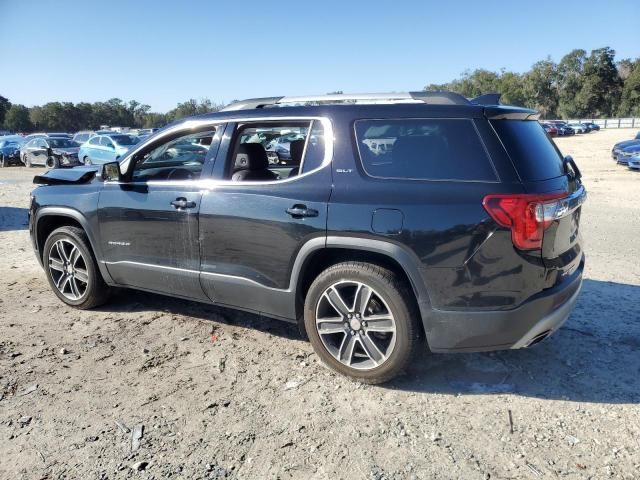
[423, 149]
[533, 153]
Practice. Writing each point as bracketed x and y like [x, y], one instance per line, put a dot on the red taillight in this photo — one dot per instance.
[527, 215]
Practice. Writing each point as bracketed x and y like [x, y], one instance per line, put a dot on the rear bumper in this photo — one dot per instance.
[477, 331]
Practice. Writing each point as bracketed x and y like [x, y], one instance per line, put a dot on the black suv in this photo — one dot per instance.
[383, 220]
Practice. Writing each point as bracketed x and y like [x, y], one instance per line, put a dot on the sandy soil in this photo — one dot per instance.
[222, 394]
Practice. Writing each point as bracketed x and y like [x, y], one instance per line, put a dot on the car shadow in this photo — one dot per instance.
[13, 218]
[123, 301]
[594, 357]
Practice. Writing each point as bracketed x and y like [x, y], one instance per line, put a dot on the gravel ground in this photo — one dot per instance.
[219, 394]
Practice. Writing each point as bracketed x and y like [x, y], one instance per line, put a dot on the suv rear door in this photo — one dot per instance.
[251, 231]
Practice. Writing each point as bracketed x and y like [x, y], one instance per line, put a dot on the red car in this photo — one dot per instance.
[550, 129]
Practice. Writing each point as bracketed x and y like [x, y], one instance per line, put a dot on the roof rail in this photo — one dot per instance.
[432, 98]
[487, 99]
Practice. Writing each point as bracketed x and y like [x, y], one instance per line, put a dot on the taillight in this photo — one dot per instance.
[527, 215]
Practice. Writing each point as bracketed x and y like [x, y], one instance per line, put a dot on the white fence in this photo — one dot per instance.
[611, 122]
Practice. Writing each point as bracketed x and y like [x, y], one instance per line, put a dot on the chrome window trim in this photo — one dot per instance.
[210, 183]
[411, 179]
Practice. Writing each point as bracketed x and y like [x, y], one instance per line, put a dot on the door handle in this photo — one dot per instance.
[182, 203]
[300, 211]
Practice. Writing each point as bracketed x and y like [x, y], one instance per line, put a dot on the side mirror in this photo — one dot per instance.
[111, 172]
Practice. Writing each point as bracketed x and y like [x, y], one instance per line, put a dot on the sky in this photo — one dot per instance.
[166, 51]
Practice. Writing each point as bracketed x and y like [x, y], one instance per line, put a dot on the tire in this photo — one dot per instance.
[394, 333]
[86, 287]
[26, 161]
[52, 163]
[86, 161]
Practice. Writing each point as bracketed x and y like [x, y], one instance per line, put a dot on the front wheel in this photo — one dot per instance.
[26, 161]
[86, 161]
[52, 162]
[361, 321]
[72, 270]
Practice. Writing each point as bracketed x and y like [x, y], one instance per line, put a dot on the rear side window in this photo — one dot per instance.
[532, 152]
[423, 149]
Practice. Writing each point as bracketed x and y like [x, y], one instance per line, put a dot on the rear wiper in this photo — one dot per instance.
[567, 162]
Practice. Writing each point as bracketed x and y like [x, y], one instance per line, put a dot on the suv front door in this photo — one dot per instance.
[149, 221]
[252, 230]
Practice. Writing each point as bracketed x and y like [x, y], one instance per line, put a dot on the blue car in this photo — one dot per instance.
[617, 148]
[634, 162]
[106, 148]
[625, 154]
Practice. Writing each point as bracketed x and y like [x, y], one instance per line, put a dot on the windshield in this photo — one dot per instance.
[61, 143]
[124, 140]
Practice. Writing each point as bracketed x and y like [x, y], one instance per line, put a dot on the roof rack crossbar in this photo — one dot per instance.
[431, 98]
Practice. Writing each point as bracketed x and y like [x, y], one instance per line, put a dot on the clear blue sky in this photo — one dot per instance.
[162, 52]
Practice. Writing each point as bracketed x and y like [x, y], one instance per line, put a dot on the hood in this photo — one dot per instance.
[635, 148]
[626, 143]
[78, 175]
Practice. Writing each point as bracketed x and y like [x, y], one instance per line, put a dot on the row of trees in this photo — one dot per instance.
[71, 117]
[580, 85]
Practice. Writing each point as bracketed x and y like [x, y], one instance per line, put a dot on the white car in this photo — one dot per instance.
[579, 127]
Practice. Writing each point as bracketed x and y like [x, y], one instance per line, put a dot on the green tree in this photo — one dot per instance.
[5, 104]
[630, 97]
[17, 119]
[541, 88]
[570, 81]
[601, 85]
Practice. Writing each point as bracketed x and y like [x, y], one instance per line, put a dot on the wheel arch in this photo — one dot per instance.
[49, 219]
[383, 253]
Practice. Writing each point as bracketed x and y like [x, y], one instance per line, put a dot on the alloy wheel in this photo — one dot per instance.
[68, 269]
[355, 325]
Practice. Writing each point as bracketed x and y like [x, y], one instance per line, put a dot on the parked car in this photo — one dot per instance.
[592, 126]
[465, 232]
[10, 150]
[550, 129]
[52, 152]
[562, 127]
[83, 136]
[579, 127]
[617, 148]
[31, 136]
[634, 162]
[281, 146]
[625, 154]
[105, 148]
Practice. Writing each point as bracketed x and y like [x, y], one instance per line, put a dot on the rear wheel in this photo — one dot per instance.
[361, 321]
[72, 270]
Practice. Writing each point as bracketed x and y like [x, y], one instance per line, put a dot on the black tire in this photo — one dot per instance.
[398, 299]
[52, 162]
[86, 161]
[97, 291]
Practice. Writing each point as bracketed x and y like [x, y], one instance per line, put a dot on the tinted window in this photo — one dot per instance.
[124, 140]
[106, 142]
[427, 149]
[532, 152]
[61, 143]
[178, 159]
[314, 153]
[94, 141]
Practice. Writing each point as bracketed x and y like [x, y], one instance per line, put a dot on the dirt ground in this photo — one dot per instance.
[221, 394]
